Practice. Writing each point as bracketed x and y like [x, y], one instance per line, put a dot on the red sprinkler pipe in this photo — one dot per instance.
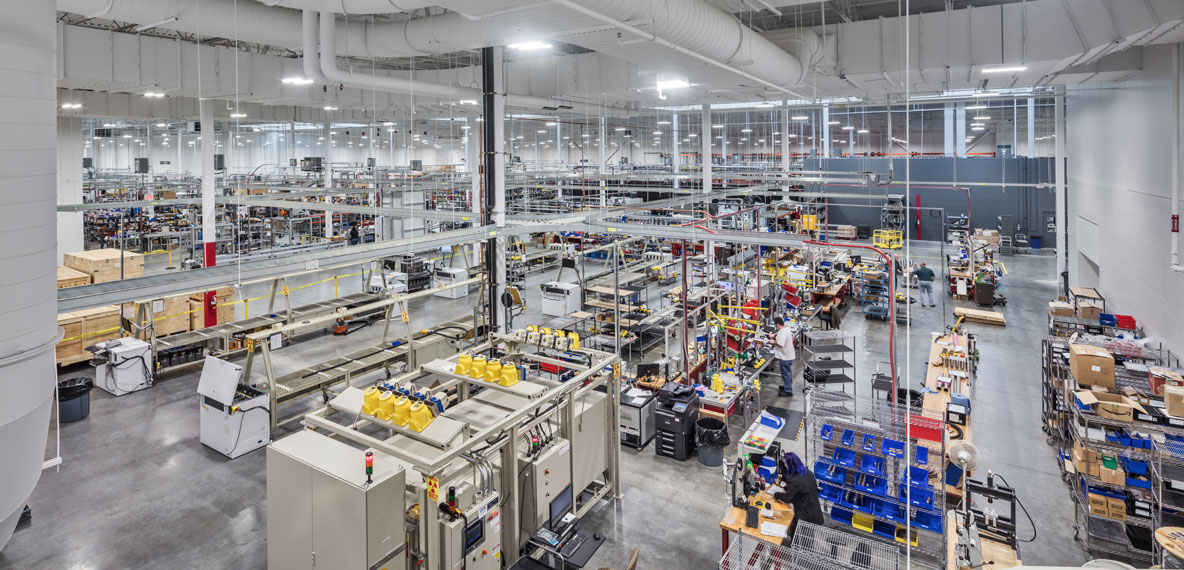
[891, 301]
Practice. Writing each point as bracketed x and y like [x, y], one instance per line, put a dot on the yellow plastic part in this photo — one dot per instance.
[717, 385]
[370, 400]
[509, 375]
[402, 411]
[493, 371]
[575, 341]
[545, 330]
[386, 402]
[463, 362]
[477, 370]
[421, 416]
[532, 328]
[862, 522]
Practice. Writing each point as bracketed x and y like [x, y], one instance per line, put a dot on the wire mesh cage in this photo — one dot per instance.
[751, 553]
[817, 547]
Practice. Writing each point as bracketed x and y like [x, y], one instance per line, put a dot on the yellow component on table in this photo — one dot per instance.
[370, 400]
[509, 375]
[756, 383]
[386, 404]
[532, 328]
[575, 340]
[402, 411]
[421, 416]
[477, 370]
[493, 371]
[545, 330]
[463, 362]
[717, 385]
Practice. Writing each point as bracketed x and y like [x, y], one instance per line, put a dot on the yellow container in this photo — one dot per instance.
[477, 371]
[902, 532]
[862, 522]
[386, 404]
[493, 371]
[402, 411]
[421, 416]
[370, 400]
[463, 362]
[509, 375]
[575, 341]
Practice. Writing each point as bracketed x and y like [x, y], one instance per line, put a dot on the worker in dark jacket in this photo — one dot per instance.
[801, 491]
[354, 236]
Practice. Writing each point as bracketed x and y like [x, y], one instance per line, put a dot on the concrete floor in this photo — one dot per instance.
[138, 490]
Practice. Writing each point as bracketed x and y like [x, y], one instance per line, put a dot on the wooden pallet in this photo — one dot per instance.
[985, 317]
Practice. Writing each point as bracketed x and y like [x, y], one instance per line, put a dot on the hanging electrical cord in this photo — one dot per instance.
[1025, 509]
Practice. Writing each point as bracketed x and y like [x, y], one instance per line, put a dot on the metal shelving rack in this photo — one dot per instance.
[892, 213]
[873, 291]
[1054, 378]
[830, 351]
[892, 494]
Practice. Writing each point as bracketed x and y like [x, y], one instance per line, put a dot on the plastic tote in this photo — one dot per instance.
[711, 437]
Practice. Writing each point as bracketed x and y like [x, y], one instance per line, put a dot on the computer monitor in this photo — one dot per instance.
[560, 507]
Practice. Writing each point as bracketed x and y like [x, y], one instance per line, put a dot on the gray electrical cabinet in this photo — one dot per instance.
[589, 448]
[477, 544]
[322, 513]
[544, 477]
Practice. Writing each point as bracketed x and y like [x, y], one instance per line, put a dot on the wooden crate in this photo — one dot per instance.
[169, 315]
[845, 232]
[71, 277]
[103, 265]
[86, 328]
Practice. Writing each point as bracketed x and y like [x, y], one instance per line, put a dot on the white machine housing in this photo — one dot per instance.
[128, 366]
[447, 276]
[235, 418]
[546, 474]
[560, 299]
[322, 513]
[389, 281]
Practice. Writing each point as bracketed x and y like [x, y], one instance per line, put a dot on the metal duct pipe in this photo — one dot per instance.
[28, 297]
[352, 6]
[312, 67]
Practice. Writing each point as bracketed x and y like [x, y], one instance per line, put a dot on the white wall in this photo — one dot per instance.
[1119, 176]
[69, 184]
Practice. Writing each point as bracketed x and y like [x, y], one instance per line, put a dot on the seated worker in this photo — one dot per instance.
[801, 491]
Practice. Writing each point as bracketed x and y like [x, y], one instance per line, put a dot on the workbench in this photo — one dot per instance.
[735, 517]
[996, 555]
[936, 400]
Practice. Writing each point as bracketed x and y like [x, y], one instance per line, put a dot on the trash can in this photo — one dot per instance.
[711, 437]
[1036, 242]
[74, 398]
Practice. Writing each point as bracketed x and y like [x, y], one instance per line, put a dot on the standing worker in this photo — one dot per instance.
[925, 283]
[783, 349]
[801, 491]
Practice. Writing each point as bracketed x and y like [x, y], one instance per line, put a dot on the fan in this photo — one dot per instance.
[965, 455]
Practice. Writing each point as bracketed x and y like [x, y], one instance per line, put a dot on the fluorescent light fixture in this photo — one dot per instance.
[1011, 69]
[530, 46]
[717, 126]
[832, 122]
[127, 136]
[330, 108]
[467, 102]
[663, 122]
[389, 124]
[764, 105]
[296, 80]
[985, 94]
[673, 84]
[108, 125]
[800, 118]
[977, 128]
[746, 130]
[978, 124]
[862, 131]
[848, 128]
[760, 140]
[161, 125]
[692, 135]
[542, 132]
[238, 115]
[155, 94]
[552, 124]
[619, 129]
[975, 107]
[792, 136]
[657, 133]
[719, 137]
[71, 105]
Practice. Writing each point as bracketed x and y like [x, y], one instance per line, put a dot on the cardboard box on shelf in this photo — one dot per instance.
[1091, 365]
[1097, 500]
[1061, 309]
[104, 265]
[1112, 406]
[1173, 400]
[1116, 514]
[1098, 511]
[1158, 377]
[1089, 309]
[1115, 504]
[1114, 476]
[71, 277]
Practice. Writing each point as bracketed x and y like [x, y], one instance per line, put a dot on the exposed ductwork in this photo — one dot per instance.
[352, 6]
[28, 298]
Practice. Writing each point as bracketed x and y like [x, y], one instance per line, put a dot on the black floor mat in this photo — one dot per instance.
[794, 420]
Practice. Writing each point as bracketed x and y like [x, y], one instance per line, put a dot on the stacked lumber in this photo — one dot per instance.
[984, 317]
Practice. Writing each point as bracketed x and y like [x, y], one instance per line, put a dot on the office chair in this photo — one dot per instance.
[632, 565]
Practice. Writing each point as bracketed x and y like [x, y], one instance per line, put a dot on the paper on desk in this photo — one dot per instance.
[774, 529]
[636, 393]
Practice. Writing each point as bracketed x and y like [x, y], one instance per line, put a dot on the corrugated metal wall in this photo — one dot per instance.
[1029, 205]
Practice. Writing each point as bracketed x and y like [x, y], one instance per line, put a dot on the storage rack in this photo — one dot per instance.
[873, 291]
[875, 472]
[1064, 326]
[832, 352]
[892, 213]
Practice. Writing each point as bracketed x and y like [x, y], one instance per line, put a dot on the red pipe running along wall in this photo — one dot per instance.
[891, 302]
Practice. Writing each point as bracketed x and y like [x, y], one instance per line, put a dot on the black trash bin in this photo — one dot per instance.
[74, 398]
[711, 437]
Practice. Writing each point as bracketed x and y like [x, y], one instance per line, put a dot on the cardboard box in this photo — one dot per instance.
[1173, 400]
[1114, 476]
[1116, 514]
[71, 277]
[1091, 365]
[1060, 308]
[105, 265]
[1157, 376]
[1114, 406]
[1115, 504]
[1097, 500]
[1099, 511]
[1089, 310]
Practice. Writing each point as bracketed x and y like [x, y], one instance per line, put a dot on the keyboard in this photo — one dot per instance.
[573, 545]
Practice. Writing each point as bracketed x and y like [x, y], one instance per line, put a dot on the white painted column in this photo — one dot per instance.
[1032, 127]
[1062, 197]
[705, 138]
[209, 233]
[825, 126]
[785, 111]
[675, 153]
[959, 130]
[328, 170]
[948, 130]
[70, 175]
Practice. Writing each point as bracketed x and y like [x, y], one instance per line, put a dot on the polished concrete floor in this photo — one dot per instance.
[138, 490]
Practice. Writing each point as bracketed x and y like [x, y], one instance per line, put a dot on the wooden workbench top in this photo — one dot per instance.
[734, 518]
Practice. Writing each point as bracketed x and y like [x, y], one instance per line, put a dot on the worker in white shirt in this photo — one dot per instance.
[783, 349]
